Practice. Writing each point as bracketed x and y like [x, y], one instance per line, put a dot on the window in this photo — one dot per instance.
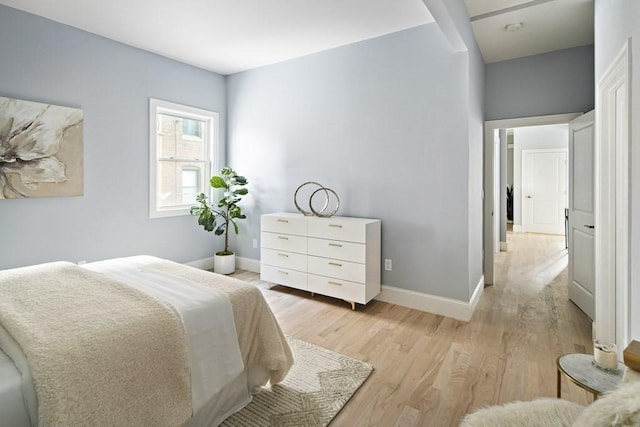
[183, 152]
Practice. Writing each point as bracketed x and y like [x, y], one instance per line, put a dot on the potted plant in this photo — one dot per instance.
[226, 213]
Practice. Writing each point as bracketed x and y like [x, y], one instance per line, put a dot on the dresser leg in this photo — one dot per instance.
[312, 294]
[353, 305]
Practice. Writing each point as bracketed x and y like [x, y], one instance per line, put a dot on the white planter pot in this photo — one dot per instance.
[224, 264]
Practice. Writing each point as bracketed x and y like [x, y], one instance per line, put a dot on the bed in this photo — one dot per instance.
[132, 341]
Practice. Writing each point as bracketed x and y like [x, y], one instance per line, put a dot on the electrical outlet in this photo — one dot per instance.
[255, 243]
[387, 264]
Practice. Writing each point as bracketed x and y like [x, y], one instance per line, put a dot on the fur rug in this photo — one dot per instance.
[616, 409]
[619, 408]
[539, 413]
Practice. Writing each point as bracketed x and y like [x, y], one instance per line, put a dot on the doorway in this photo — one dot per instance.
[489, 167]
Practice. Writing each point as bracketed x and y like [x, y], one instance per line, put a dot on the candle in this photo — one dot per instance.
[605, 355]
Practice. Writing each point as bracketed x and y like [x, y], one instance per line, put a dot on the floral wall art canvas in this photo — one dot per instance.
[40, 150]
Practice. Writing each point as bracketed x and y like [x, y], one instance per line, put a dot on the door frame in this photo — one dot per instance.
[612, 229]
[523, 211]
[496, 193]
[489, 128]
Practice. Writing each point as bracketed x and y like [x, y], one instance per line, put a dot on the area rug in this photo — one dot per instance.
[318, 386]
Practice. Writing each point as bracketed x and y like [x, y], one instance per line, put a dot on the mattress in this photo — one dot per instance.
[264, 352]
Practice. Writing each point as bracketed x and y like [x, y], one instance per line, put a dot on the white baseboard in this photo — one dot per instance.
[431, 303]
[248, 264]
[241, 263]
[503, 246]
[417, 300]
[517, 228]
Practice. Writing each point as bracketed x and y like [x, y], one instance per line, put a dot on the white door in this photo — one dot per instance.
[544, 190]
[581, 220]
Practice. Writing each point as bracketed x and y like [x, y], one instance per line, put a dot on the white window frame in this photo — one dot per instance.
[211, 133]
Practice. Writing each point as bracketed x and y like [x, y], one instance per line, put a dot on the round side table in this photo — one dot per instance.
[582, 371]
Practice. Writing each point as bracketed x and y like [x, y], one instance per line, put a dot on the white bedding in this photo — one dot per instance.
[12, 407]
[207, 317]
[262, 346]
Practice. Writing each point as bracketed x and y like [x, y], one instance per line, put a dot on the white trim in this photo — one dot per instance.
[517, 228]
[503, 247]
[211, 119]
[612, 229]
[431, 303]
[248, 264]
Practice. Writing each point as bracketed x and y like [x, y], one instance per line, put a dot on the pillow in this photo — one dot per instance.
[536, 413]
[620, 407]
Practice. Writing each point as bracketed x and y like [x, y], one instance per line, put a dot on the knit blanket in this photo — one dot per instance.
[100, 352]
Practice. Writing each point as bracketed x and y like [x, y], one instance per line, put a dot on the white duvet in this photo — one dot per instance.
[207, 317]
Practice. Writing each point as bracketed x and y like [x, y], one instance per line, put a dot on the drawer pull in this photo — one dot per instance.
[335, 244]
[336, 264]
[283, 238]
[284, 255]
[283, 220]
[335, 225]
[283, 272]
[335, 283]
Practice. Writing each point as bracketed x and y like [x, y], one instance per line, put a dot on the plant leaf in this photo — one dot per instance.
[218, 182]
[235, 226]
[241, 191]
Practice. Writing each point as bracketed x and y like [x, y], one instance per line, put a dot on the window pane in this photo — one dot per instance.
[174, 143]
[190, 185]
[180, 182]
[191, 127]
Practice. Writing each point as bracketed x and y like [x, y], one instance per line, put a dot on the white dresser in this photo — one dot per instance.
[337, 256]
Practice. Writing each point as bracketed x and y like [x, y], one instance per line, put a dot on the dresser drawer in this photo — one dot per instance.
[336, 268]
[284, 224]
[337, 229]
[337, 288]
[284, 259]
[337, 249]
[284, 242]
[283, 276]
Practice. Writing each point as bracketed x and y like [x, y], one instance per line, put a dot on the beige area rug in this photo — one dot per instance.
[319, 384]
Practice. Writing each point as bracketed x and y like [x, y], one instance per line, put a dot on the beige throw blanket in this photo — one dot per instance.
[76, 326]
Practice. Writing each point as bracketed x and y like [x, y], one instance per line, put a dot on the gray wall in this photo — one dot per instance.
[475, 115]
[615, 21]
[384, 123]
[48, 62]
[550, 83]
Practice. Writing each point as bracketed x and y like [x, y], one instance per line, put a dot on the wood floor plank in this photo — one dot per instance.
[431, 370]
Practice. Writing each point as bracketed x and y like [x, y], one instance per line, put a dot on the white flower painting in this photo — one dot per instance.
[40, 150]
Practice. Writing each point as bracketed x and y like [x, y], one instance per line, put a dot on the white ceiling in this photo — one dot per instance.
[228, 36]
[547, 25]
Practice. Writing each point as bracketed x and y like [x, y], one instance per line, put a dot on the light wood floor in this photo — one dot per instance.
[431, 370]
